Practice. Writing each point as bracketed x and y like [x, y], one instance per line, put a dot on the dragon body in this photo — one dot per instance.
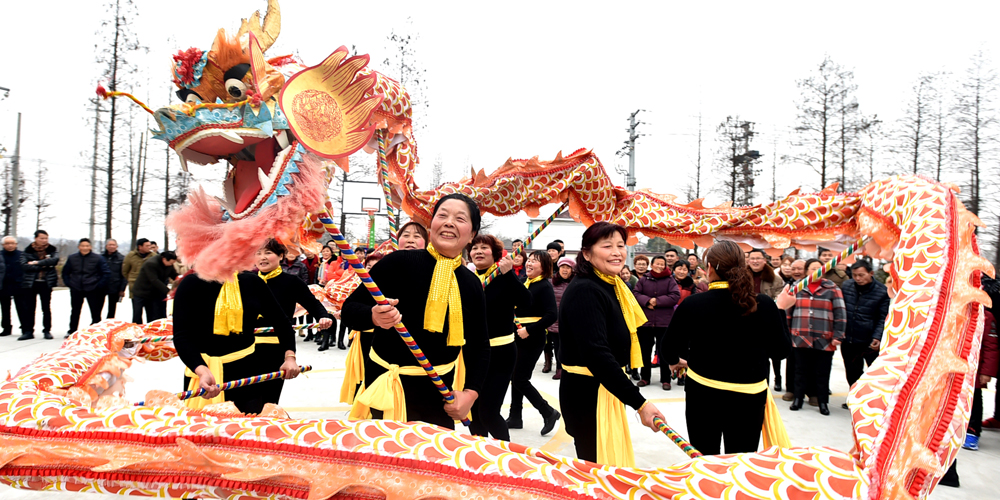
[65, 424]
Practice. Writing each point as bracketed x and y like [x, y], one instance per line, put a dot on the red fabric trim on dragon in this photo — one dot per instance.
[301, 452]
[199, 128]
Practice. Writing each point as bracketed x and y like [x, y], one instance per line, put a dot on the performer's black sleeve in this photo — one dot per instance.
[357, 310]
[187, 327]
[585, 314]
[476, 351]
[543, 304]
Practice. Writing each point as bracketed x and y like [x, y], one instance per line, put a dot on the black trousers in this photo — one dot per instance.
[528, 352]
[713, 416]
[856, 357]
[648, 336]
[976, 417]
[113, 297]
[95, 301]
[812, 373]
[269, 358]
[486, 419]
[43, 292]
[248, 399]
[578, 402]
[20, 298]
[155, 309]
[553, 340]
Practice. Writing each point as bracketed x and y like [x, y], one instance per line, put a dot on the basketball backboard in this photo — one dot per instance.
[361, 195]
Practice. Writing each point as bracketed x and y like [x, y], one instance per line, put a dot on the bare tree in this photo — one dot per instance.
[975, 119]
[869, 144]
[737, 160]
[137, 185]
[823, 96]
[7, 204]
[41, 195]
[847, 124]
[940, 134]
[403, 65]
[914, 126]
[120, 44]
[437, 171]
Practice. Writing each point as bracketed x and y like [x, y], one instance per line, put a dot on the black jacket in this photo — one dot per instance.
[46, 267]
[116, 282]
[13, 273]
[85, 272]
[867, 308]
[153, 279]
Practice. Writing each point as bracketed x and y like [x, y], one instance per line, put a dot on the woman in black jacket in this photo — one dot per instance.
[502, 295]
[724, 338]
[597, 340]
[531, 340]
[441, 302]
[288, 290]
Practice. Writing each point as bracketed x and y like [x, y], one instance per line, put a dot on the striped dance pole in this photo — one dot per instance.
[528, 240]
[383, 169]
[233, 384]
[679, 440]
[170, 338]
[366, 280]
[808, 280]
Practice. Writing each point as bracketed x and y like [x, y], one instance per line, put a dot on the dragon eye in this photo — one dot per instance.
[236, 88]
[192, 98]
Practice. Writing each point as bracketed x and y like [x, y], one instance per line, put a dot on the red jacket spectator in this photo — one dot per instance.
[989, 353]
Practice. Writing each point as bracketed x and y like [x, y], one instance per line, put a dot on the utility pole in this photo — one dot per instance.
[93, 168]
[16, 180]
[629, 149]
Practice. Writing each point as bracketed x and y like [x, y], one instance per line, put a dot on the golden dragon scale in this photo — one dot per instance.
[64, 425]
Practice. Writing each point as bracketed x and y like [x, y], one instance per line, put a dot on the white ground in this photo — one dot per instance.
[315, 396]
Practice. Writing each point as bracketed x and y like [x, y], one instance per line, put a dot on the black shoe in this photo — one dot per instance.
[844, 406]
[824, 409]
[777, 384]
[680, 381]
[323, 347]
[309, 336]
[67, 335]
[550, 422]
[513, 423]
[796, 404]
[5, 333]
[26, 336]
[341, 346]
[47, 336]
[635, 374]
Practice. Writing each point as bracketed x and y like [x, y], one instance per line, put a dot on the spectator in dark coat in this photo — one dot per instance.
[658, 294]
[867, 303]
[150, 286]
[12, 277]
[817, 322]
[86, 275]
[116, 282]
[296, 267]
[39, 262]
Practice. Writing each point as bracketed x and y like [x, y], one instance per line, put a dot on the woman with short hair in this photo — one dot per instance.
[535, 318]
[597, 325]
[442, 305]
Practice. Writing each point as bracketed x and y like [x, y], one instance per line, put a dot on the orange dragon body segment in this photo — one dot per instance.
[910, 409]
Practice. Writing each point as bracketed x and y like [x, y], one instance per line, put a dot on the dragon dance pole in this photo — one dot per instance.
[256, 379]
[170, 338]
[808, 280]
[371, 230]
[679, 440]
[380, 299]
[383, 169]
[528, 240]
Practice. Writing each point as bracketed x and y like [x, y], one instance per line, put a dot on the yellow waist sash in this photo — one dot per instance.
[215, 365]
[386, 392]
[529, 319]
[354, 369]
[266, 340]
[499, 341]
[774, 428]
[614, 441]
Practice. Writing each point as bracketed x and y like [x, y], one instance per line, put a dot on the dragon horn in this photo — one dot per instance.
[267, 32]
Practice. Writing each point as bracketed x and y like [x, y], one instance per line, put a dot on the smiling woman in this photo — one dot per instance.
[443, 306]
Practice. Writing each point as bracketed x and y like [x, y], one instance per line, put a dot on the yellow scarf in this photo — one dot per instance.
[442, 296]
[614, 441]
[634, 317]
[774, 428]
[274, 272]
[529, 281]
[482, 277]
[229, 308]
[354, 372]
[716, 285]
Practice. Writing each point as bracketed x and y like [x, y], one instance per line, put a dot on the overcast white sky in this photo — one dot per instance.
[511, 79]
